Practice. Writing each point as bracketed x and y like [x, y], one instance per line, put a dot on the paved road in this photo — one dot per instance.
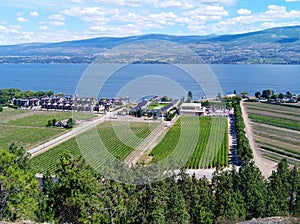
[84, 126]
[232, 142]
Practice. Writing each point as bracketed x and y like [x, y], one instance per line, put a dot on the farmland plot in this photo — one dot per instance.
[107, 134]
[276, 130]
[211, 144]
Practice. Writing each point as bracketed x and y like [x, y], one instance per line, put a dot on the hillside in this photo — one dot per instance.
[271, 46]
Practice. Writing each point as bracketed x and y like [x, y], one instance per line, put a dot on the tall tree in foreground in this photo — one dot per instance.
[176, 207]
[18, 188]
[229, 206]
[253, 189]
[279, 188]
[74, 197]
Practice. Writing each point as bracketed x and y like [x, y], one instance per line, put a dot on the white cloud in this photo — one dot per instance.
[92, 14]
[175, 3]
[2, 28]
[272, 17]
[218, 2]
[266, 25]
[22, 20]
[43, 27]
[77, 1]
[57, 23]
[19, 14]
[206, 13]
[124, 30]
[56, 20]
[244, 12]
[34, 14]
[57, 17]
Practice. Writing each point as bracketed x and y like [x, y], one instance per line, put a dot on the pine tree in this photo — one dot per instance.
[279, 189]
[18, 187]
[75, 195]
[253, 189]
[229, 200]
[176, 207]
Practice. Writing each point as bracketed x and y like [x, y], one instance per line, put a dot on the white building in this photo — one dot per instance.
[191, 109]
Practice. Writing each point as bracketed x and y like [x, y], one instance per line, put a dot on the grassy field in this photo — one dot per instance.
[211, 148]
[28, 128]
[276, 130]
[47, 161]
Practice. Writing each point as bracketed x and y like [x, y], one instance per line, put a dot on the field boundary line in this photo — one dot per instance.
[147, 144]
[65, 137]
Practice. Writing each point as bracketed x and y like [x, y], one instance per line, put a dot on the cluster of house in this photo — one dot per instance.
[88, 104]
[183, 108]
[159, 111]
[68, 103]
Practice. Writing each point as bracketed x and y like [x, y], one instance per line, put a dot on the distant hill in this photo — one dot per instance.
[271, 46]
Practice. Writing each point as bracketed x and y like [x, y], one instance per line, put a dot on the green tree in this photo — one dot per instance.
[22, 159]
[176, 207]
[288, 94]
[198, 197]
[274, 97]
[165, 99]
[70, 123]
[74, 198]
[151, 205]
[257, 94]
[18, 189]
[46, 199]
[279, 190]
[114, 199]
[229, 200]
[189, 97]
[267, 93]
[294, 192]
[1, 109]
[253, 189]
[280, 96]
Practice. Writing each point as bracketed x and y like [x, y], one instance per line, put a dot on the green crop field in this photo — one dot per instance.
[28, 128]
[40, 119]
[107, 133]
[276, 130]
[211, 148]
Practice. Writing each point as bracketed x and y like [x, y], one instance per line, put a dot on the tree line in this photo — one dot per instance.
[82, 195]
[8, 94]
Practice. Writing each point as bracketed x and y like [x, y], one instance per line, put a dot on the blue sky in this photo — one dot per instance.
[25, 21]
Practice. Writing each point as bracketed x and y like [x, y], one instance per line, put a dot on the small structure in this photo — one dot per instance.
[62, 124]
[191, 109]
[21, 102]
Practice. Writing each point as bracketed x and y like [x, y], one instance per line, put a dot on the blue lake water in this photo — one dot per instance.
[65, 77]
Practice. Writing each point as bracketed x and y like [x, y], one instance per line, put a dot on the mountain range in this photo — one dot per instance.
[271, 46]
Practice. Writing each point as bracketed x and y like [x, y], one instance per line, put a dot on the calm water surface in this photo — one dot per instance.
[64, 77]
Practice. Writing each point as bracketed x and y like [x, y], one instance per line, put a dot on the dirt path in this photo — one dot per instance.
[141, 151]
[266, 166]
[147, 144]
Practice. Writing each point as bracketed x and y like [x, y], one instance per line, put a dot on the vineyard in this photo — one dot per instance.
[211, 144]
[119, 138]
[276, 130]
